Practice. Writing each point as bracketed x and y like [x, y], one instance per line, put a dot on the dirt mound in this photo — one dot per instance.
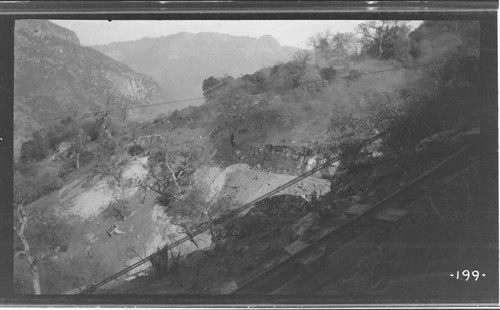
[243, 186]
[212, 179]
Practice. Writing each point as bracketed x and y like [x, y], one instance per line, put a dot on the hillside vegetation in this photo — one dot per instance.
[417, 87]
[54, 75]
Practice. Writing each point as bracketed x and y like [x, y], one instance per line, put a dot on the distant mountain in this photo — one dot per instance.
[54, 75]
[180, 62]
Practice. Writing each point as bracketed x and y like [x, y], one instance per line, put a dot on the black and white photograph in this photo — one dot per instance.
[331, 158]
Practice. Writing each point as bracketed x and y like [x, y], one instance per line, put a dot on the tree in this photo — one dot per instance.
[211, 83]
[110, 160]
[446, 94]
[169, 175]
[166, 174]
[35, 149]
[59, 133]
[321, 44]
[328, 73]
[385, 39]
[343, 43]
[327, 45]
[79, 144]
[435, 39]
[302, 58]
[195, 211]
[19, 228]
[79, 141]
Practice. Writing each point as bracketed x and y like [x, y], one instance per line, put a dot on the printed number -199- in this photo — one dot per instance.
[466, 274]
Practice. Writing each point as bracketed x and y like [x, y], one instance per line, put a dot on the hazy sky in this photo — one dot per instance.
[287, 32]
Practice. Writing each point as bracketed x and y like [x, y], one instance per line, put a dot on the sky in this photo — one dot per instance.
[288, 32]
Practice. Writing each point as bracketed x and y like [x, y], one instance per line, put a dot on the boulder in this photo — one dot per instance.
[89, 236]
[311, 163]
[227, 287]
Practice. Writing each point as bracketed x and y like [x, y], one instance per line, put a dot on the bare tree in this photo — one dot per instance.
[321, 44]
[110, 160]
[79, 142]
[327, 45]
[380, 37]
[170, 169]
[19, 228]
[302, 58]
[343, 43]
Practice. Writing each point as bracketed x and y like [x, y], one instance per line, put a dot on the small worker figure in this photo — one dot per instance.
[232, 139]
[314, 197]
[113, 229]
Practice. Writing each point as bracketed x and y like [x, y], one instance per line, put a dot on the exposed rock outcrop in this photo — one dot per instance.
[44, 30]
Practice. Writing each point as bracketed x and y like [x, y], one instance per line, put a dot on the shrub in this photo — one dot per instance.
[26, 168]
[177, 119]
[46, 231]
[35, 149]
[135, 150]
[165, 200]
[328, 73]
[66, 168]
[59, 133]
[92, 129]
[34, 186]
[118, 209]
[353, 75]
[159, 119]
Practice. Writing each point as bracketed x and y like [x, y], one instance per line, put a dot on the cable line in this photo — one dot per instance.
[60, 134]
[115, 110]
[200, 98]
[205, 226]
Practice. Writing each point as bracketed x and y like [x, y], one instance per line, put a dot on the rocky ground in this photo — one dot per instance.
[146, 227]
[273, 230]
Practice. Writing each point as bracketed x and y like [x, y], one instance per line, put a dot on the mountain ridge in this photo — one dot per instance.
[42, 29]
[180, 62]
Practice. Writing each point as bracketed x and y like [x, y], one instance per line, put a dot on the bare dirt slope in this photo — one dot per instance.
[92, 254]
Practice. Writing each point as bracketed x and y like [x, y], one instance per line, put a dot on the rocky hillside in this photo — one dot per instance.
[138, 192]
[54, 75]
[182, 61]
